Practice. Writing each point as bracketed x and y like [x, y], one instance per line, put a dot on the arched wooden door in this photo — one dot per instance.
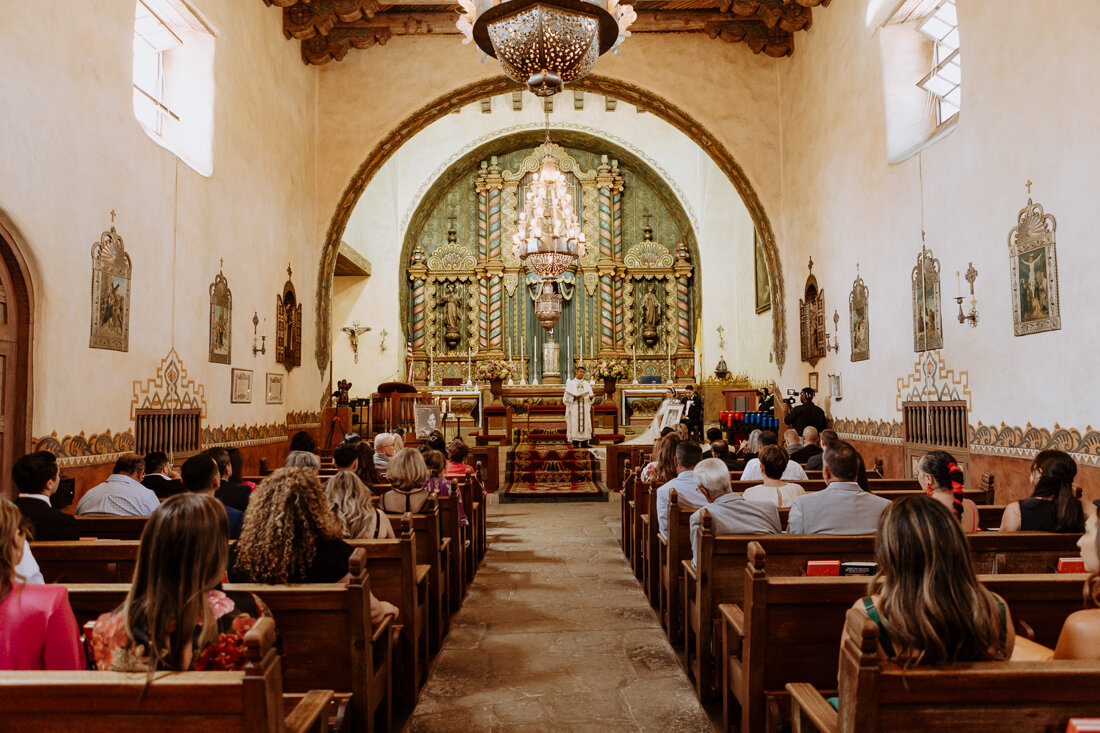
[15, 357]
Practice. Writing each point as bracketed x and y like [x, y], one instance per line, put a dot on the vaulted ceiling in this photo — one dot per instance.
[328, 29]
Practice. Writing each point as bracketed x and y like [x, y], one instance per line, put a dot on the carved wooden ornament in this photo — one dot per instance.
[811, 315]
[288, 328]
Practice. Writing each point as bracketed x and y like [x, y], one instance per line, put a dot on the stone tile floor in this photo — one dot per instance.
[556, 635]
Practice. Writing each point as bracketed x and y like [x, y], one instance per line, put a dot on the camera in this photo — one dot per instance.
[791, 397]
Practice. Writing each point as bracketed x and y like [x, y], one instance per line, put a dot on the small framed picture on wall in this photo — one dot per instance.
[274, 388]
[240, 386]
[813, 381]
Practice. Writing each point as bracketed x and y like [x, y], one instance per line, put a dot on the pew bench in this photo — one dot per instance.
[249, 701]
[107, 527]
[877, 695]
[433, 550]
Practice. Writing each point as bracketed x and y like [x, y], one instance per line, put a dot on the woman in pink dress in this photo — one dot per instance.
[37, 628]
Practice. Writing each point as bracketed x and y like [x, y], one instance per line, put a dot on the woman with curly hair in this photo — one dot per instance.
[302, 459]
[176, 616]
[457, 452]
[350, 500]
[1053, 506]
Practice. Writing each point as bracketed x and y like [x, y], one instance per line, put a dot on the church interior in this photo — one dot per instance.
[573, 270]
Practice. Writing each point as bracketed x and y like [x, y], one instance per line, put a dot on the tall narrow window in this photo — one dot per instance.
[942, 82]
[174, 80]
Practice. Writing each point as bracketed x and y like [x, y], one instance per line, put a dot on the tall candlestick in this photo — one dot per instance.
[634, 351]
[670, 360]
[509, 348]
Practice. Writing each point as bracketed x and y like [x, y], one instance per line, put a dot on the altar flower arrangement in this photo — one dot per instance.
[493, 369]
[614, 368]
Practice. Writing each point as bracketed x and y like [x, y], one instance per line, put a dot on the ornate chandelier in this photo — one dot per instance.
[545, 43]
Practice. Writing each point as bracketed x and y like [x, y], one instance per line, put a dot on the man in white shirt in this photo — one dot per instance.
[122, 494]
[842, 507]
[688, 455]
[754, 472]
[729, 512]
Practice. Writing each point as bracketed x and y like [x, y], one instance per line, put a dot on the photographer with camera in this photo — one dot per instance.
[806, 414]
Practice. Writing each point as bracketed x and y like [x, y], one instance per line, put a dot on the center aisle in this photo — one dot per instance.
[556, 634]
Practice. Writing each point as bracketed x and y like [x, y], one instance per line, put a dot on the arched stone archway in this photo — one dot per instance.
[16, 349]
[475, 91]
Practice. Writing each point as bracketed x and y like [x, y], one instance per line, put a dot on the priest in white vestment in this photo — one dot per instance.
[578, 399]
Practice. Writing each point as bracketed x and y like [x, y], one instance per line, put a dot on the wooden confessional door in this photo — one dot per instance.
[14, 362]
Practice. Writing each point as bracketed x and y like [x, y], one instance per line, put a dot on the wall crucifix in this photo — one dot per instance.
[353, 331]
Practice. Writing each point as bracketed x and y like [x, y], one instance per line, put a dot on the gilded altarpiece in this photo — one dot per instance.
[470, 299]
[811, 316]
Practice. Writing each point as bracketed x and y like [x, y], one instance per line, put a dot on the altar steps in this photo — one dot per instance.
[553, 472]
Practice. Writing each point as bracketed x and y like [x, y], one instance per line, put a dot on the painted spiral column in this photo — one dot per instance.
[682, 269]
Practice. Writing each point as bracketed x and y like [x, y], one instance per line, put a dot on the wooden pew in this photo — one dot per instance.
[85, 561]
[464, 486]
[876, 695]
[672, 550]
[626, 509]
[786, 630]
[639, 528]
[720, 577]
[326, 634]
[434, 550]
[174, 702]
[451, 529]
[104, 527]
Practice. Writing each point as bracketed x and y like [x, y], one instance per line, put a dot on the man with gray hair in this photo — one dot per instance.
[729, 511]
[384, 448]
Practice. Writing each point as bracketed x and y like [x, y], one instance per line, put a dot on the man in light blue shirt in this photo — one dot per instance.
[842, 507]
[689, 497]
[122, 494]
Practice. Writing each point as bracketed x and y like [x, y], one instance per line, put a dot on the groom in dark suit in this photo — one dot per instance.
[693, 412]
[36, 477]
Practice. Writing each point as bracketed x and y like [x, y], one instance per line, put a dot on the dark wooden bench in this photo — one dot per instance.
[787, 630]
[86, 561]
[434, 550]
[672, 550]
[451, 528]
[104, 527]
[326, 633]
[626, 508]
[989, 696]
[174, 702]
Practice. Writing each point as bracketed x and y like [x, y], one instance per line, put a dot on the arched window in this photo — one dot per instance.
[174, 80]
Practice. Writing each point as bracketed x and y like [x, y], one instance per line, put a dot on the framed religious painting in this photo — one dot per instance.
[221, 320]
[813, 381]
[240, 386]
[427, 419]
[1034, 269]
[811, 320]
[111, 270]
[857, 311]
[927, 307]
[273, 388]
[763, 286]
[673, 416]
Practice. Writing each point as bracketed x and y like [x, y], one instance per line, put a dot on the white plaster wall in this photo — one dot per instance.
[722, 226]
[71, 151]
[1028, 113]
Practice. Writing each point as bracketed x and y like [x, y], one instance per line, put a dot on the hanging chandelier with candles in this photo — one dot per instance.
[545, 44]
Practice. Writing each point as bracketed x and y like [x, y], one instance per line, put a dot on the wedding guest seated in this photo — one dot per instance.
[682, 432]
[1080, 637]
[407, 475]
[714, 434]
[774, 490]
[366, 471]
[236, 470]
[176, 616]
[302, 459]
[38, 630]
[231, 494]
[302, 440]
[398, 439]
[753, 472]
[384, 450]
[159, 476]
[729, 512]
[942, 479]
[36, 477]
[122, 493]
[437, 463]
[345, 457]
[720, 449]
[688, 455]
[457, 452]
[1052, 506]
[826, 437]
[842, 507]
[350, 500]
[435, 441]
[810, 447]
[662, 468]
[201, 476]
[748, 448]
[791, 441]
[928, 603]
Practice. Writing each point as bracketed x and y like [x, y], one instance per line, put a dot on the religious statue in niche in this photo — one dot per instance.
[651, 316]
[927, 310]
[1034, 267]
[760, 270]
[811, 315]
[861, 330]
[111, 270]
[288, 326]
[451, 305]
[221, 320]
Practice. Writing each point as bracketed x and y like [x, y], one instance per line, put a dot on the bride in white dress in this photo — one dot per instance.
[654, 430]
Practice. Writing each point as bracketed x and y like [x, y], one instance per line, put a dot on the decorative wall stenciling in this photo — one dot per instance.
[244, 435]
[932, 381]
[302, 420]
[860, 324]
[877, 431]
[221, 320]
[1033, 264]
[170, 388]
[111, 270]
[811, 316]
[1016, 442]
[927, 306]
[288, 326]
[762, 285]
[73, 450]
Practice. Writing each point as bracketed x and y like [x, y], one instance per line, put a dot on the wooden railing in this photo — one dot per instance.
[940, 424]
[175, 432]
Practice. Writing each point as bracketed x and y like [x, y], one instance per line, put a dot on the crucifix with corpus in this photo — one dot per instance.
[353, 331]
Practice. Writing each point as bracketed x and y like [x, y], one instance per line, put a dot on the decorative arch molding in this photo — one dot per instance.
[458, 98]
[17, 256]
